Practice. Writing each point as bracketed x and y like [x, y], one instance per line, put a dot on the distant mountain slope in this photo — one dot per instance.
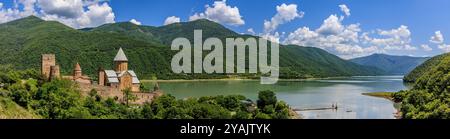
[24, 40]
[425, 67]
[296, 61]
[394, 65]
[10, 110]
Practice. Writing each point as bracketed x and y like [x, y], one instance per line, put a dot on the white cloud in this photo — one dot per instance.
[74, 13]
[285, 13]
[444, 47]
[348, 41]
[303, 37]
[134, 21]
[401, 32]
[331, 26]
[220, 12]
[62, 8]
[426, 47]
[171, 20]
[394, 39]
[9, 14]
[97, 14]
[275, 37]
[438, 38]
[334, 37]
[251, 31]
[345, 9]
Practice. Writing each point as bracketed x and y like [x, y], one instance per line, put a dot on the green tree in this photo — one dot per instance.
[128, 96]
[59, 99]
[266, 98]
[94, 94]
[260, 115]
[242, 115]
[147, 112]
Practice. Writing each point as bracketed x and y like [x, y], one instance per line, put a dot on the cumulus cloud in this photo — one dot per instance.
[251, 31]
[444, 47]
[274, 37]
[171, 20]
[345, 9]
[349, 41]
[9, 14]
[62, 8]
[285, 13]
[74, 13]
[134, 21]
[437, 38]
[220, 12]
[97, 14]
[426, 47]
[334, 37]
[331, 26]
[394, 39]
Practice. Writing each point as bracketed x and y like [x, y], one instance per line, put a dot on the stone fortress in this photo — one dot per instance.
[111, 83]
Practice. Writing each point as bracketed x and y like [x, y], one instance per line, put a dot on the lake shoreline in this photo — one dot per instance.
[387, 96]
[300, 93]
[246, 79]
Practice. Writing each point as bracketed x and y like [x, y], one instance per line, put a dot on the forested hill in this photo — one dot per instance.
[394, 65]
[24, 40]
[425, 67]
[429, 97]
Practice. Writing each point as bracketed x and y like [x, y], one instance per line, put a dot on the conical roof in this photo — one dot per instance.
[120, 56]
[77, 67]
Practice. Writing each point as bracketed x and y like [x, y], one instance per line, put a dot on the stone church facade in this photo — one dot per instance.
[120, 77]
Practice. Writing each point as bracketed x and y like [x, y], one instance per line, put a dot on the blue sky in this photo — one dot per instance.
[399, 27]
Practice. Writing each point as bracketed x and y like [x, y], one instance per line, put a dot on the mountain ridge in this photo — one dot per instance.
[147, 48]
[392, 64]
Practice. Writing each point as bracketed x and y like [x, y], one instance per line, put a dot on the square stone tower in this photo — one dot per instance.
[48, 61]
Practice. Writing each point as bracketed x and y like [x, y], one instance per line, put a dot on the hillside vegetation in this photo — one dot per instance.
[147, 48]
[430, 96]
[425, 67]
[393, 65]
[10, 110]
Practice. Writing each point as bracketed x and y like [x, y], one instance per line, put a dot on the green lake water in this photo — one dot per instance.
[346, 92]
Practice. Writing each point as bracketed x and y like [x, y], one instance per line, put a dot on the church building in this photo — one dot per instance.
[120, 78]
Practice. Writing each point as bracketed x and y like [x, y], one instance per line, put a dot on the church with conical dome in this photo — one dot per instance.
[120, 77]
[111, 83]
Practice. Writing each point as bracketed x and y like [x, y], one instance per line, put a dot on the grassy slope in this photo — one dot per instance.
[386, 95]
[10, 110]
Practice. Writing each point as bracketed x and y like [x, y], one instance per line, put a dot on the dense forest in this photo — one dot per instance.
[430, 96]
[24, 40]
[423, 68]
